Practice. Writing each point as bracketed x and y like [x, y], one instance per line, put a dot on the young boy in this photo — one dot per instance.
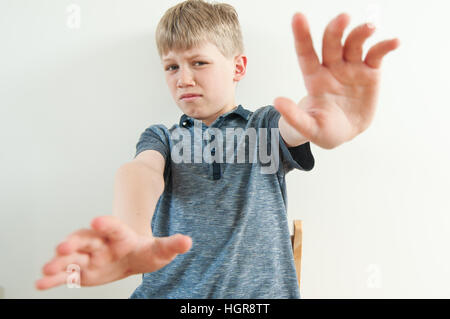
[191, 180]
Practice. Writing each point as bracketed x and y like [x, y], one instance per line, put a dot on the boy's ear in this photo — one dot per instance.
[240, 68]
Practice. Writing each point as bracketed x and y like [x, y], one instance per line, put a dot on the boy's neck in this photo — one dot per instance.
[212, 118]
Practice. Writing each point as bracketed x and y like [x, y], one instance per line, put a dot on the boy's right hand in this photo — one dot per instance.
[110, 251]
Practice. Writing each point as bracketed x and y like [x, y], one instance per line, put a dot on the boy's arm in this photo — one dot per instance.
[137, 188]
[118, 246]
[342, 90]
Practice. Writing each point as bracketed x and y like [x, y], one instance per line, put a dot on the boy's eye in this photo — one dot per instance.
[170, 66]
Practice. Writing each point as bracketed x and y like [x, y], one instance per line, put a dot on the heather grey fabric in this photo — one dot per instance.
[234, 212]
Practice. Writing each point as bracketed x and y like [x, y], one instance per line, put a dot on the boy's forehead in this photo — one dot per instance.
[186, 55]
[204, 50]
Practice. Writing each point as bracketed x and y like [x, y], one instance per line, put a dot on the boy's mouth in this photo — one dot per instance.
[189, 97]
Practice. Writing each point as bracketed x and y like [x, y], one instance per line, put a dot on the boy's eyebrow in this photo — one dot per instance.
[191, 57]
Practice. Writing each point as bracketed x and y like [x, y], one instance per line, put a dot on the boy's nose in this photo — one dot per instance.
[186, 79]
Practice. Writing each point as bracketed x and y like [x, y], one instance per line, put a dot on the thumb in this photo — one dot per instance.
[167, 247]
[295, 116]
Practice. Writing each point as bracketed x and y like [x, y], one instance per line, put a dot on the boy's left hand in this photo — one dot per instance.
[342, 90]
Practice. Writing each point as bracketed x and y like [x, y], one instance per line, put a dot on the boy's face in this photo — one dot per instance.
[205, 71]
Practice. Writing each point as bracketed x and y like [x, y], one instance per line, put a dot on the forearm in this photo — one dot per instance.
[137, 189]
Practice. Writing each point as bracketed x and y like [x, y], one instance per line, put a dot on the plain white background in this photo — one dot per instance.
[74, 99]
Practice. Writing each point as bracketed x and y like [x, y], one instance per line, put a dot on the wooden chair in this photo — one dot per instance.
[296, 240]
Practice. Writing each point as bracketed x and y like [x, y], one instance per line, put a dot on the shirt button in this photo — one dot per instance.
[213, 151]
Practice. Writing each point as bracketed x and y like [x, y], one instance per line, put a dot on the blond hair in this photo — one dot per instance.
[193, 22]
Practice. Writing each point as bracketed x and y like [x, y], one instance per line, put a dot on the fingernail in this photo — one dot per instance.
[371, 25]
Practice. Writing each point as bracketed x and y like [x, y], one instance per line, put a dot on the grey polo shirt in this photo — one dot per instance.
[234, 209]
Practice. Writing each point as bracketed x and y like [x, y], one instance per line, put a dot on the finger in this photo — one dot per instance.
[63, 249]
[296, 117]
[167, 247]
[59, 264]
[110, 227]
[307, 57]
[353, 47]
[85, 240]
[375, 55]
[51, 281]
[332, 50]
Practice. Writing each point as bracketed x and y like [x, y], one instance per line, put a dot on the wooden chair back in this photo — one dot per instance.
[296, 240]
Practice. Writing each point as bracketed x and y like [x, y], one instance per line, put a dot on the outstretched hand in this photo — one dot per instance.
[110, 250]
[342, 90]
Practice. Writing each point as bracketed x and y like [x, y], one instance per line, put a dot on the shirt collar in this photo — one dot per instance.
[244, 113]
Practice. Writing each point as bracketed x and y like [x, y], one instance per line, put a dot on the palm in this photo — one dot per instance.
[118, 259]
[342, 90]
[109, 262]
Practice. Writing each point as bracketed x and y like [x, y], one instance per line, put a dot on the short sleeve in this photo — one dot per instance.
[299, 157]
[154, 138]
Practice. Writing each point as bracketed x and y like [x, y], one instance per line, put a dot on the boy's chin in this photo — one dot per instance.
[194, 110]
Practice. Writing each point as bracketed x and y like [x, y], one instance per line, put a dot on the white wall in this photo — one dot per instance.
[73, 103]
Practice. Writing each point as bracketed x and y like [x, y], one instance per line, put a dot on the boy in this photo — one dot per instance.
[232, 214]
